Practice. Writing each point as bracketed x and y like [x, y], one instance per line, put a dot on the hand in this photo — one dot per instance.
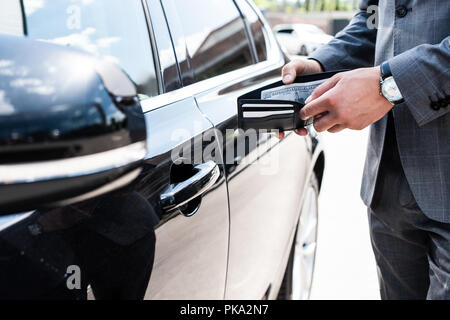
[291, 71]
[347, 100]
[299, 67]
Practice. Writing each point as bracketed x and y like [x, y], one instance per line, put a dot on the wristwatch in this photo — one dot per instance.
[388, 87]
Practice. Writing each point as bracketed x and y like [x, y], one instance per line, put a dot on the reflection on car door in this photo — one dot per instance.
[191, 251]
[265, 187]
[111, 238]
[264, 190]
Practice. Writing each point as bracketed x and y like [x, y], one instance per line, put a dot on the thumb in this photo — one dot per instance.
[288, 73]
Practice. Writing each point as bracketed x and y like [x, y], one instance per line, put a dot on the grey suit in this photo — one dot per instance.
[413, 35]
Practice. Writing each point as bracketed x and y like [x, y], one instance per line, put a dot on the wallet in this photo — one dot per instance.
[256, 113]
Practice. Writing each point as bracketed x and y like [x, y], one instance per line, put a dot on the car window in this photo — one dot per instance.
[113, 29]
[215, 36]
[257, 29]
[11, 17]
[167, 61]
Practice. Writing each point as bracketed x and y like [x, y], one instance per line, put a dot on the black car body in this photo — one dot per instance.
[204, 212]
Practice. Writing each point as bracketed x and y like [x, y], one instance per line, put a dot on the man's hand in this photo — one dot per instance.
[347, 100]
[299, 67]
[291, 71]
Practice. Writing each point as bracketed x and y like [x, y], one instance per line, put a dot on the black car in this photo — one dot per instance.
[136, 182]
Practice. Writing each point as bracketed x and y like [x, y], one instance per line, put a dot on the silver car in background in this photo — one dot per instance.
[301, 39]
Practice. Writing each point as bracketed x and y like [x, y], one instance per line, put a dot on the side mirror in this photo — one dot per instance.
[71, 126]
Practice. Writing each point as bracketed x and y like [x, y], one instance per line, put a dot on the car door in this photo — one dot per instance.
[226, 53]
[172, 222]
[192, 242]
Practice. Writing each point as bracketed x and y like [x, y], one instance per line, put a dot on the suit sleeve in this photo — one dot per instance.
[353, 47]
[423, 75]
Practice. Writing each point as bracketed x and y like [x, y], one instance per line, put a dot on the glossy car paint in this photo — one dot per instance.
[56, 127]
[191, 253]
[43, 109]
[128, 247]
[264, 190]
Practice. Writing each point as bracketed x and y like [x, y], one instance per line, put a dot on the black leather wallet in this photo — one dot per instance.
[282, 115]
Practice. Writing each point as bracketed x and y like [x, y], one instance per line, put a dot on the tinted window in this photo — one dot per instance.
[256, 28]
[215, 36]
[113, 29]
[167, 61]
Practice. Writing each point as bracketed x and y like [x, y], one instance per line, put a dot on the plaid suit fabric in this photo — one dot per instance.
[414, 36]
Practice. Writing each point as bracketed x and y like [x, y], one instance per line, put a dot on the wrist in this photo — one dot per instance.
[379, 98]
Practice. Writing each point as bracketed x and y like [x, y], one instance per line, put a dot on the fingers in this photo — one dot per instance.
[315, 108]
[336, 128]
[324, 87]
[325, 122]
[299, 67]
[280, 135]
[319, 116]
[289, 72]
[293, 69]
[301, 132]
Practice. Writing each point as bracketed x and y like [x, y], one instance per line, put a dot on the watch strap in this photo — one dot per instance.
[386, 73]
[385, 70]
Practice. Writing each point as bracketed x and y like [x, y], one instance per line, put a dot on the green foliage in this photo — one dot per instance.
[305, 5]
[268, 4]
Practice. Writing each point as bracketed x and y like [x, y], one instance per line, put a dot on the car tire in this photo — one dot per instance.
[303, 51]
[299, 274]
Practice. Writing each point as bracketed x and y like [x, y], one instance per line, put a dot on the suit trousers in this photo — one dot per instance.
[411, 250]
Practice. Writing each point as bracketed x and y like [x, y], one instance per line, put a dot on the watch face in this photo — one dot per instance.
[390, 90]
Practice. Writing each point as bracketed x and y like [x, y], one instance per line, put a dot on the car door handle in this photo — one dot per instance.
[179, 194]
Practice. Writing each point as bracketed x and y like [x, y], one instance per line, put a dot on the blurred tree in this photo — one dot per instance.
[268, 4]
[307, 5]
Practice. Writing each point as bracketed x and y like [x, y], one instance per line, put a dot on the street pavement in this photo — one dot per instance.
[345, 265]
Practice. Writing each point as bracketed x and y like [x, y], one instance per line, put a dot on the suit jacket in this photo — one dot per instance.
[413, 35]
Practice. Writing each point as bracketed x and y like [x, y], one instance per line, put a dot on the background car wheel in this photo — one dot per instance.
[303, 51]
[299, 273]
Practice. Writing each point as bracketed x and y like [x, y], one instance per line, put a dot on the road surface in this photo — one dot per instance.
[345, 265]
